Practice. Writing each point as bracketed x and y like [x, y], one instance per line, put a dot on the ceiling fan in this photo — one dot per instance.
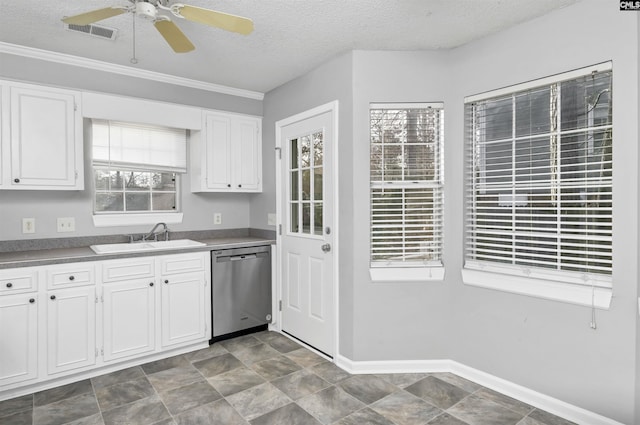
[153, 10]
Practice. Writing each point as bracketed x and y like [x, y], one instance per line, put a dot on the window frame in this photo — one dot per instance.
[139, 217]
[420, 270]
[581, 288]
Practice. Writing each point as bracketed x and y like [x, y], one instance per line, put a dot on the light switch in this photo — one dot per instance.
[271, 219]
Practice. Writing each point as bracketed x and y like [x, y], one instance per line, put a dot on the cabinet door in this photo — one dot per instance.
[218, 152]
[183, 308]
[129, 318]
[71, 329]
[248, 162]
[18, 338]
[4, 132]
[46, 139]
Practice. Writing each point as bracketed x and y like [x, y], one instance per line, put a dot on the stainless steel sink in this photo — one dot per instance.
[115, 248]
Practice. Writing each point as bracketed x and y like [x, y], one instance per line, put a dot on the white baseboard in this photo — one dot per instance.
[541, 401]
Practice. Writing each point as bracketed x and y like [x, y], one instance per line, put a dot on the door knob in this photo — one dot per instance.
[326, 247]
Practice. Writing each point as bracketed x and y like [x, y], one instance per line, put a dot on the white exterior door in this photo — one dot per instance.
[306, 205]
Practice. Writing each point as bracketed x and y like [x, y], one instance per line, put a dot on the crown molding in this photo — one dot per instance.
[46, 55]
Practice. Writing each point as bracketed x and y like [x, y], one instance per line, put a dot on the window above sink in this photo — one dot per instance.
[136, 170]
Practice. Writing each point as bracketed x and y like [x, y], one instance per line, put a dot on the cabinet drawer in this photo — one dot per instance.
[18, 280]
[181, 263]
[119, 270]
[70, 275]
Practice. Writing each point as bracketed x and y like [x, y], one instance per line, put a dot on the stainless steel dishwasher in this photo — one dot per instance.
[241, 291]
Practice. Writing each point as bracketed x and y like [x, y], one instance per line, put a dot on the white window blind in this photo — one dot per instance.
[406, 184]
[539, 178]
[140, 147]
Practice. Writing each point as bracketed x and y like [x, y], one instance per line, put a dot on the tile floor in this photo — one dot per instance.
[265, 379]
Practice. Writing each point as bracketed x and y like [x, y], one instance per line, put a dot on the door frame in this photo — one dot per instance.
[331, 107]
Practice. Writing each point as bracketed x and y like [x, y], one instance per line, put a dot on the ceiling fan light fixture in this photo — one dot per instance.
[146, 11]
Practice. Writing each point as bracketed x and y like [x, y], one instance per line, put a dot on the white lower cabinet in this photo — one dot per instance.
[99, 314]
[183, 306]
[128, 320]
[18, 338]
[71, 329]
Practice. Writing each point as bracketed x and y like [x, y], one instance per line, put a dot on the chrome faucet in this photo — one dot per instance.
[154, 234]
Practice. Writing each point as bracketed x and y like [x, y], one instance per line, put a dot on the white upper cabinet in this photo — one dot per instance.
[4, 129]
[41, 138]
[227, 155]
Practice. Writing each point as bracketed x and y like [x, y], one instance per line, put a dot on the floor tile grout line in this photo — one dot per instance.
[443, 412]
[159, 397]
[95, 395]
[531, 408]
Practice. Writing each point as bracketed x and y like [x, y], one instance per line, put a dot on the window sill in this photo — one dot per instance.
[406, 274]
[540, 288]
[109, 220]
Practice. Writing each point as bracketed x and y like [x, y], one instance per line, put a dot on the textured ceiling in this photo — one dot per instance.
[290, 38]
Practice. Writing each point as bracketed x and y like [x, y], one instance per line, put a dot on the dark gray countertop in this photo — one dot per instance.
[41, 257]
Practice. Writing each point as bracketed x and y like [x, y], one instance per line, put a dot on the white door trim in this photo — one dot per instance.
[277, 287]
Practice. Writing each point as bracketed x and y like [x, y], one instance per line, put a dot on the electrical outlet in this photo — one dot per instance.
[28, 225]
[66, 224]
[217, 218]
[271, 219]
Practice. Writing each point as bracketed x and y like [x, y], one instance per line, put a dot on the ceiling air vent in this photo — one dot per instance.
[94, 30]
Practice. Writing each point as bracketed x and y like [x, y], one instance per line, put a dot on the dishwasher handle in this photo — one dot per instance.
[224, 259]
[242, 257]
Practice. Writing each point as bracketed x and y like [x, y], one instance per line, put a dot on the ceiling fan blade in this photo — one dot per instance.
[213, 18]
[94, 16]
[174, 36]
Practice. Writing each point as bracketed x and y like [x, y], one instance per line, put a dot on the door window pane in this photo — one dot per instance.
[306, 184]
[294, 186]
[306, 218]
[294, 153]
[295, 227]
[317, 218]
[317, 183]
[318, 149]
[306, 175]
[305, 152]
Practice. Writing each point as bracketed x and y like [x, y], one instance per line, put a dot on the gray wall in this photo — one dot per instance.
[638, 244]
[329, 82]
[46, 206]
[394, 321]
[547, 346]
